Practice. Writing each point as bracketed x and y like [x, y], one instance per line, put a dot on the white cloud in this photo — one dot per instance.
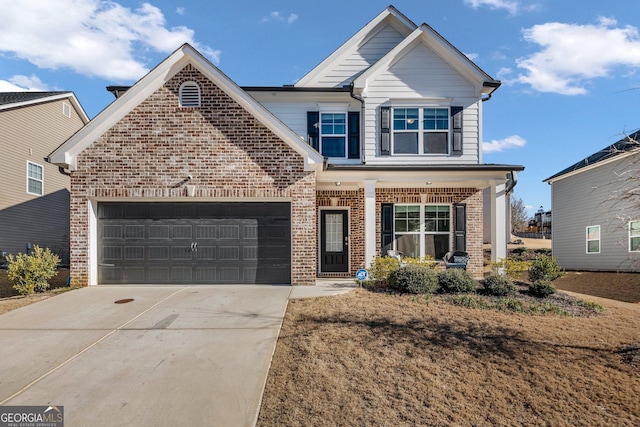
[20, 83]
[514, 141]
[573, 54]
[92, 37]
[280, 17]
[511, 6]
[472, 56]
[180, 10]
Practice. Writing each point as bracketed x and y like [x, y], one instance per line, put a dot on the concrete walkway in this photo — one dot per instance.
[173, 356]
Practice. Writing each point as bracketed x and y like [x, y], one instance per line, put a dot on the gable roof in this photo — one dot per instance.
[626, 145]
[66, 154]
[389, 16]
[434, 41]
[10, 100]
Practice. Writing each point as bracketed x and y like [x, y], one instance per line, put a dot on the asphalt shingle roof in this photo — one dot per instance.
[626, 144]
[17, 97]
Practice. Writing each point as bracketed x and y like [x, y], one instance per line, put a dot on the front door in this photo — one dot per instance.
[334, 241]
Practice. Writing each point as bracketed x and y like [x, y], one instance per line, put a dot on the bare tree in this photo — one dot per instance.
[519, 218]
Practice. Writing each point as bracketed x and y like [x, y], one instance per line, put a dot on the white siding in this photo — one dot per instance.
[361, 59]
[418, 75]
[583, 200]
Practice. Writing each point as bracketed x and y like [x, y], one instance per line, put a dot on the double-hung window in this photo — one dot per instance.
[421, 131]
[35, 179]
[421, 230]
[333, 134]
[634, 236]
[593, 239]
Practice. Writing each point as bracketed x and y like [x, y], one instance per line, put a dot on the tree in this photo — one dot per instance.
[519, 218]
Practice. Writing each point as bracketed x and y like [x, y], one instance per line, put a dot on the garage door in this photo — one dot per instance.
[194, 243]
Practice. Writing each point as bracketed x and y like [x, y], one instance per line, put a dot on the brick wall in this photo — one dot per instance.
[354, 200]
[227, 151]
[471, 196]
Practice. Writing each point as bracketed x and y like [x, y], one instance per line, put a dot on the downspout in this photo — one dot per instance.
[513, 180]
[361, 124]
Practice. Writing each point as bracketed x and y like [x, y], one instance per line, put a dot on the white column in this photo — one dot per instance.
[369, 221]
[499, 236]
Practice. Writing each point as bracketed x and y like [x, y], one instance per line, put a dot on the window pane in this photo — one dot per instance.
[593, 246]
[593, 233]
[333, 123]
[437, 218]
[436, 143]
[436, 119]
[635, 228]
[436, 245]
[635, 243]
[408, 244]
[333, 146]
[405, 119]
[35, 187]
[35, 171]
[334, 233]
[405, 143]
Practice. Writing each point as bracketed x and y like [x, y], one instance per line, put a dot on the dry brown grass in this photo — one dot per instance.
[10, 299]
[367, 358]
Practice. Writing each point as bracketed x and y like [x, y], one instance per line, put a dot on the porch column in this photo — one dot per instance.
[499, 237]
[369, 221]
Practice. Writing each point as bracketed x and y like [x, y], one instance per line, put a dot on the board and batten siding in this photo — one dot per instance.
[366, 55]
[421, 74]
[583, 200]
[31, 133]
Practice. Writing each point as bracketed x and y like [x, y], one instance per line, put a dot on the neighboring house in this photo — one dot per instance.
[188, 178]
[34, 197]
[596, 210]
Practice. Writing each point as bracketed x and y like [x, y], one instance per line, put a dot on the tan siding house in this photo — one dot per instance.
[34, 196]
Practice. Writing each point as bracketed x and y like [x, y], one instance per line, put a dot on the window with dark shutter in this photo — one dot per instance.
[189, 94]
[354, 135]
[387, 228]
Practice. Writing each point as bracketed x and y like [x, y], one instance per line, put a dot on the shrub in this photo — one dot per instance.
[426, 261]
[513, 268]
[498, 286]
[455, 280]
[414, 279]
[544, 268]
[381, 271]
[29, 273]
[541, 289]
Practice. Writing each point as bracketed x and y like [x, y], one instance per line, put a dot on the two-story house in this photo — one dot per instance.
[34, 196]
[188, 178]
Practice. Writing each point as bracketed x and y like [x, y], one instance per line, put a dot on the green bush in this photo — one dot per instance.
[544, 268]
[381, 271]
[29, 273]
[541, 289]
[455, 281]
[514, 268]
[498, 286]
[415, 279]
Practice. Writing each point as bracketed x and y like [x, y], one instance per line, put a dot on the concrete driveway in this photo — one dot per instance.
[174, 356]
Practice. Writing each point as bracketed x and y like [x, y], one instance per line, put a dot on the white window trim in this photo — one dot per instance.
[599, 239]
[421, 107]
[422, 232]
[631, 236]
[35, 179]
[345, 135]
[189, 83]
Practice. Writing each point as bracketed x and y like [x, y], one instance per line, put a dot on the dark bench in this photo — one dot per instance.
[456, 259]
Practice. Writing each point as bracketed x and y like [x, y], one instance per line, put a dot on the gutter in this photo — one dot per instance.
[513, 180]
[60, 168]
[361, 121]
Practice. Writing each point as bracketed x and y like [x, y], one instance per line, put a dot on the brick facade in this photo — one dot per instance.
[229, 154]
[471, 196]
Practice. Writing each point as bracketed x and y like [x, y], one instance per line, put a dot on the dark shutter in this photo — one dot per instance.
[354, 135]
[385, 131]
[313, 126]
[386, 221]
[456, 126]
[460, 227]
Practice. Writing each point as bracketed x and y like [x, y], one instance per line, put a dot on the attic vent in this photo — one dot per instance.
[189, 94]
[66, 109]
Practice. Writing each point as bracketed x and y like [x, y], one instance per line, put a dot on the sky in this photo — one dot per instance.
[570, 69]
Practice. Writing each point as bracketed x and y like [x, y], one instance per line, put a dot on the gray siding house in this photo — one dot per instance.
[34, 196]
[596, 218]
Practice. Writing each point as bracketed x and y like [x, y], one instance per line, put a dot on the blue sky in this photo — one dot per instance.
[570, 69]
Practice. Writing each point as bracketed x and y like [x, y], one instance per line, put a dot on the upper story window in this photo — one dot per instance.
[189, 94]
[35, 179]
[634, 236]
[333, 134]
[421, 130]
